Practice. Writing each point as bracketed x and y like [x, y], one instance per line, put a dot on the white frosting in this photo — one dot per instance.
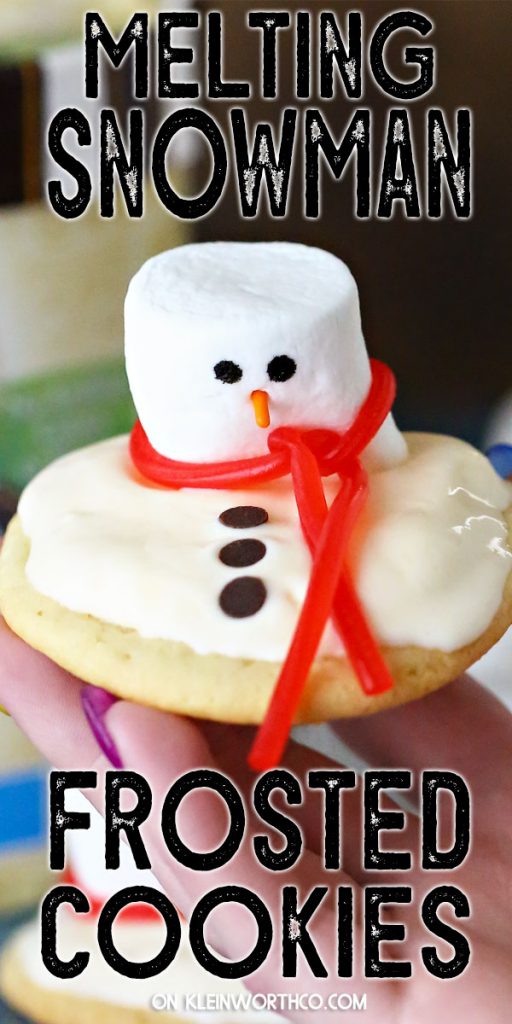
[430, 557]
[188, 309]
[185, 977]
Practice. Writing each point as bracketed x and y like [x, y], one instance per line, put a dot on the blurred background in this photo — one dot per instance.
[434, 294]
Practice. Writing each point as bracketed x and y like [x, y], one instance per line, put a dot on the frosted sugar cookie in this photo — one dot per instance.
[267, 546]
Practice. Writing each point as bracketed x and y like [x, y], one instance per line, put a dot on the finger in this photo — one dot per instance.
[163, 748]
[462, 728]
[44, 700]
[231, 745]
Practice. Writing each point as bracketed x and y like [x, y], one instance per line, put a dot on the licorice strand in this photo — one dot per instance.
[307, 455]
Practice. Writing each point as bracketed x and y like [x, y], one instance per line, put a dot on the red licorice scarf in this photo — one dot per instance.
[307, 455]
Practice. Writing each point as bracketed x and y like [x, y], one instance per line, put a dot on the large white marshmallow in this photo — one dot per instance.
[198, 305]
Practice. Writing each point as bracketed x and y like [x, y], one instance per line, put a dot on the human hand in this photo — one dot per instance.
[461, 728]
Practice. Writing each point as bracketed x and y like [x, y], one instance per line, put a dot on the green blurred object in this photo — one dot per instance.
[44, 417]
[28, 47]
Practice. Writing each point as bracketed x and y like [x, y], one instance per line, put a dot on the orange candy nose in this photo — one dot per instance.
[259, 401]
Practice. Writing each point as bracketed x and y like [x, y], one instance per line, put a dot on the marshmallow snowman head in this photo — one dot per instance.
[226, 341]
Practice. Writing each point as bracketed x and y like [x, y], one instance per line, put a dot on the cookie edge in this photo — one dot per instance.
[215, 686]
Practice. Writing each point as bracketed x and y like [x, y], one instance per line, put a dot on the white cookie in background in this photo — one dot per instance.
[99, 993]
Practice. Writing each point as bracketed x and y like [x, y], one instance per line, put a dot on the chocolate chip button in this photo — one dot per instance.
[243, 597]
[244, 552]
[243, 517]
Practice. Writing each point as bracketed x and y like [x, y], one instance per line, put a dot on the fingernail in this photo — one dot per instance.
[96, 702]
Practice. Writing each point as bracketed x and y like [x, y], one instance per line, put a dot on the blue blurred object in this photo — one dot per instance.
[23, 809]
[500, 457]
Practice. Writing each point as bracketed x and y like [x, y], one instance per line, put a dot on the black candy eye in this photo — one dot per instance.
[281, 368]
[227, 371]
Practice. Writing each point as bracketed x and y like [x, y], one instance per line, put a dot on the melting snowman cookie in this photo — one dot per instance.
[267, 547]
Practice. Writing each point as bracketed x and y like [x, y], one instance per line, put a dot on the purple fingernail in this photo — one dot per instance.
[96, 702]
